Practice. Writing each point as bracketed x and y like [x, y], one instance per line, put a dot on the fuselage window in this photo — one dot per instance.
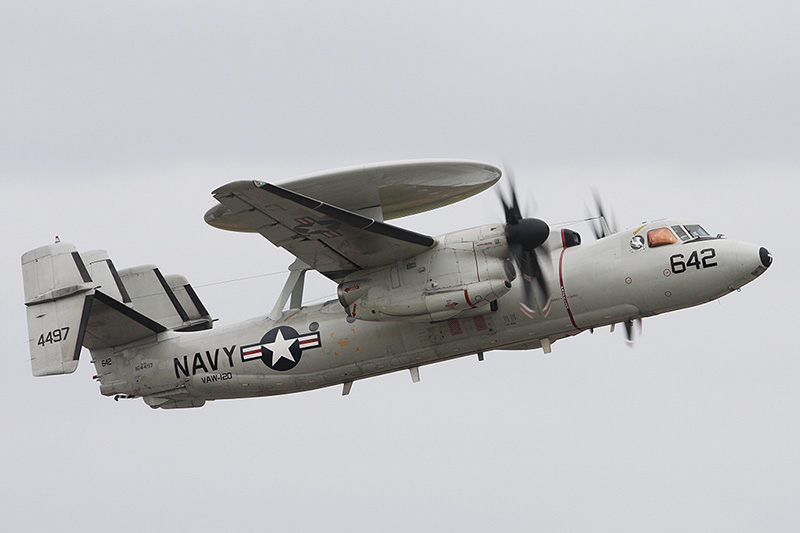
[696, 231]
[682, 234]
[660, 237]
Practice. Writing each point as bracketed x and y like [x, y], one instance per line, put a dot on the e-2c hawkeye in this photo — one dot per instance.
[405, 299]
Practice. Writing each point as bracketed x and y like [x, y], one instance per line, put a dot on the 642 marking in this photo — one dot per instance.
[704, 260]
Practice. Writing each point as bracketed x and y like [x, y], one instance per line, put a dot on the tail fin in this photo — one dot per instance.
[70, 306]
[197, 318]
[105, 276]
[58, 296]
[168, 300]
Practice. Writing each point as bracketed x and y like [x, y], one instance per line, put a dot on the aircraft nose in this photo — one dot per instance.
[753, 261]
[766, 257]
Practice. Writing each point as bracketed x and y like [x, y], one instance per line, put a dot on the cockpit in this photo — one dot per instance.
[672, 234]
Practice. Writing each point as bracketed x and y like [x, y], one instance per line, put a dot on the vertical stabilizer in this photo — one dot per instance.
[105, 276]
[197, 317]
[152, 296]
[58, 297]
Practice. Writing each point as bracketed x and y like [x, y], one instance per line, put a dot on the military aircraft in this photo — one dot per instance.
[405, 299]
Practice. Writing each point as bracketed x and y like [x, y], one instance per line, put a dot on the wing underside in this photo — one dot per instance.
[329, 239]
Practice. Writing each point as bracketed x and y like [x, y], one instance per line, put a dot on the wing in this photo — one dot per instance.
[330, 239]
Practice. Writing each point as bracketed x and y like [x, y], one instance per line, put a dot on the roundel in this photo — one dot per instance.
[281, 348]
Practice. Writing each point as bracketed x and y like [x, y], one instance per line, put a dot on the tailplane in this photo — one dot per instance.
[80, 300]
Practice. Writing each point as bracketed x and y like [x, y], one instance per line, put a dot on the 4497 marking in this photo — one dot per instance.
[57, 335]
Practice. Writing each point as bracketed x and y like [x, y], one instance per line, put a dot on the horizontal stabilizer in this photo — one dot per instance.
[112, 323]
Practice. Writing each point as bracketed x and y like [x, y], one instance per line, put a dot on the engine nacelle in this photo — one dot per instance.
[427, 306]
[464, 273]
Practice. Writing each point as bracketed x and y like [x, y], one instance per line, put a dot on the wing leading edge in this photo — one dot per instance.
[330, 239]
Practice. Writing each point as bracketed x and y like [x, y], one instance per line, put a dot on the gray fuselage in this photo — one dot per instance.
[614, 279]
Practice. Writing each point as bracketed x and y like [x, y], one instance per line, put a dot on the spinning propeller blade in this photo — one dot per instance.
[631, 328]
[525, 237]
[606, 228]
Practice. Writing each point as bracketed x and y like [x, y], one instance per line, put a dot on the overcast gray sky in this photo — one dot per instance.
[118, 120]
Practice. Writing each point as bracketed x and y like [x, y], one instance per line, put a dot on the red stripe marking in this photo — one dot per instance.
[309, 341]
[561, 280]
[466, 297]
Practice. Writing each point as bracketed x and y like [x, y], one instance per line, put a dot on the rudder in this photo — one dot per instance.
[58, 298]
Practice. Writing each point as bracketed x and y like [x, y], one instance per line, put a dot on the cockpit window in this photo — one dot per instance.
[680, 233]
[660, 237]
[696, 231]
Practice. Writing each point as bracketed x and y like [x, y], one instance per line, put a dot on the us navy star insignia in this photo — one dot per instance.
[309, 226]
[281, 348]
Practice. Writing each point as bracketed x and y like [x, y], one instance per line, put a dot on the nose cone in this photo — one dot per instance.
[752, 262]
[766, 257]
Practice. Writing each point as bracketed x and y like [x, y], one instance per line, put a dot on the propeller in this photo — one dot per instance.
[633, 327]
[525, 237]
[605, 228]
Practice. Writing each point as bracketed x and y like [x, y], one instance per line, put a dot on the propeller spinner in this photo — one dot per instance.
[525, 237]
